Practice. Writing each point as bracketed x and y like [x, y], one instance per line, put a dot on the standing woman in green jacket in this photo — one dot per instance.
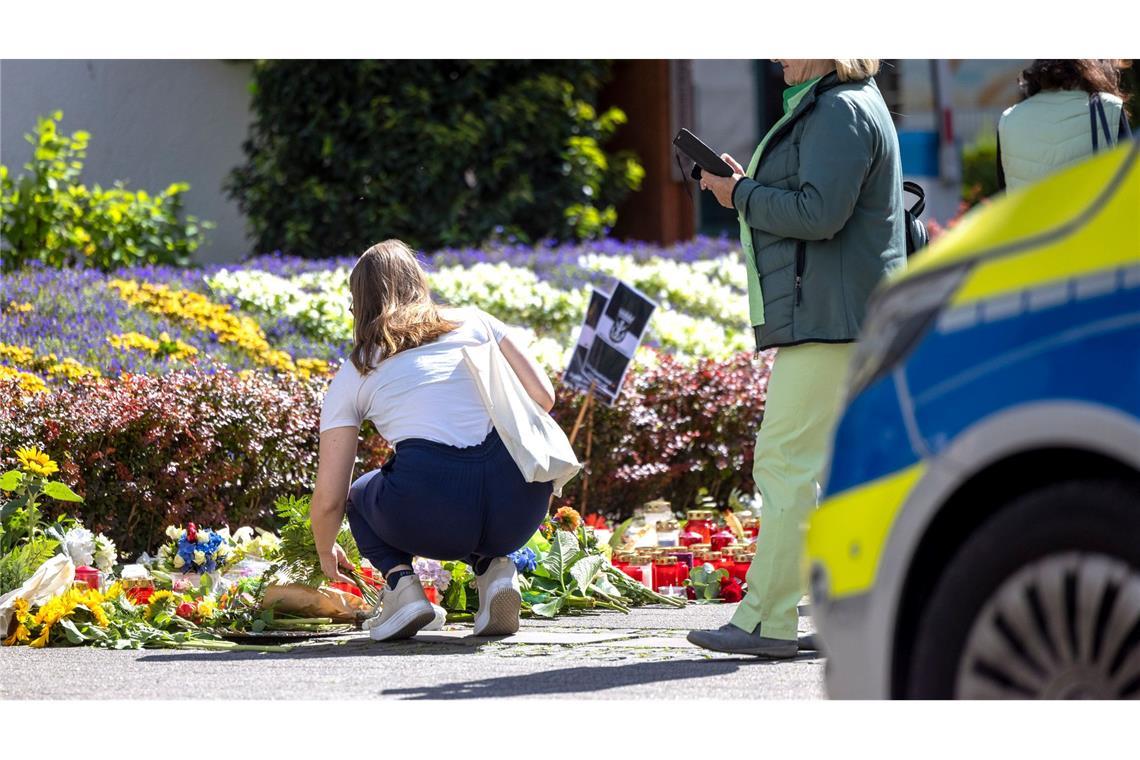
[821, 223]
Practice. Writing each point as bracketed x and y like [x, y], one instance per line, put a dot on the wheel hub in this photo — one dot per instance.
[1066, 626]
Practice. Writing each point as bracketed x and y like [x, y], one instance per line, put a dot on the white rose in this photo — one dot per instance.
[178, 561]
[79, 543]
[203, 537]
[173, 532]
[199, 557]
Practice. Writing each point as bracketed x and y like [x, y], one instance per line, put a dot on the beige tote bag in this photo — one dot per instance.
[536, 443]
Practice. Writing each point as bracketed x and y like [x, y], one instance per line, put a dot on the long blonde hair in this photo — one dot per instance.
[855, 69]
[391, 305]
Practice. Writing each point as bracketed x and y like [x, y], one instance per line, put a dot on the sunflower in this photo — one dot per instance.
[35, 461]
[19, 636]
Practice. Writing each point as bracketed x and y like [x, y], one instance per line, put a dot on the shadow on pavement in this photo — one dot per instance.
[574, 680]
[355, 647]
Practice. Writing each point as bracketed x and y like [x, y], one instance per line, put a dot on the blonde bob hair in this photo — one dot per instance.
[391, 305]
[855, 69]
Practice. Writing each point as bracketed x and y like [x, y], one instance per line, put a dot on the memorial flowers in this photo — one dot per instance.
[196, 550]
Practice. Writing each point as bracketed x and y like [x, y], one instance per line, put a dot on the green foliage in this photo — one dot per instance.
[437, 153]
[21, 519]
[49, 216]
[298, 548]
[705, 580]
[17, 565]
[979, 168]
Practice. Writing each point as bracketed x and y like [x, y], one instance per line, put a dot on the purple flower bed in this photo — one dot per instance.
[74, 310]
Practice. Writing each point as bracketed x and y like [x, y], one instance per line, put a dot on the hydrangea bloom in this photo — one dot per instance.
[525, 559]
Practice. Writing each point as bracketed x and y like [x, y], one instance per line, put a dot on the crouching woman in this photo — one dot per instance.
[451, 490]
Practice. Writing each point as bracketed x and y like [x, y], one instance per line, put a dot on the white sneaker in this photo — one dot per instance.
[404, 610]
[440, 619]
[499, 599]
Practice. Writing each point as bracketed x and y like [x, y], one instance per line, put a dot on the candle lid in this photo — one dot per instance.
[665, 559]
[667, 525]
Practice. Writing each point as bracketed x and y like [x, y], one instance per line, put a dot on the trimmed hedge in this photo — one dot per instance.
[437, 153]
[220, 447]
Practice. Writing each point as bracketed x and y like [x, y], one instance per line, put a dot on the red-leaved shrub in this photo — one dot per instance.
[147, 451]
[674, 430]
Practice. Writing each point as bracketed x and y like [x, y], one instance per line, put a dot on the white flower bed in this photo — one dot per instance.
[702, 308]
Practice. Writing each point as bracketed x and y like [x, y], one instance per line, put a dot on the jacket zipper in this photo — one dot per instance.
[801, 249]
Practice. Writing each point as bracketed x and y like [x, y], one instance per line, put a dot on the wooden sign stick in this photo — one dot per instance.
[582, 413]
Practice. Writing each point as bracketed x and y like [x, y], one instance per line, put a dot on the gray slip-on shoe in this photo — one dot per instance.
[731, 640]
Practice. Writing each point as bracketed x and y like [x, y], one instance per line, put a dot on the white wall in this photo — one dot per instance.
[151, 123]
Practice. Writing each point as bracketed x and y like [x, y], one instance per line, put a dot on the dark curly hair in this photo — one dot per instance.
[1088, 74]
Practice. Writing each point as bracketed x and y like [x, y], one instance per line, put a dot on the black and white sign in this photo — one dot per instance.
[604, 356]
[575, 375]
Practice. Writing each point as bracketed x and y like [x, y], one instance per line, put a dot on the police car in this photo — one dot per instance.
[979, 533]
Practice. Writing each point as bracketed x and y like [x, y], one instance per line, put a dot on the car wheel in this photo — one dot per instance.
[1042, 601]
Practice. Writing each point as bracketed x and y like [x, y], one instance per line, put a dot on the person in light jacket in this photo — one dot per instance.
[821, 222]
[1060, 121]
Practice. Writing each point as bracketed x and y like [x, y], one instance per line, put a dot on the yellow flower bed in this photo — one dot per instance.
[164, 346]
[197, 310]
[23, 356]
[29, 382]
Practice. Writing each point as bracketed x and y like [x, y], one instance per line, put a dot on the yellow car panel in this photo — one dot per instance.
[849, 532]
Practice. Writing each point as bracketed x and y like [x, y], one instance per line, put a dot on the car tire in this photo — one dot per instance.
[1041, 601]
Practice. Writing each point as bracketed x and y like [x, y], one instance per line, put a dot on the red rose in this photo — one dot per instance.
[185, 610]
[731, 592]
[191, 532]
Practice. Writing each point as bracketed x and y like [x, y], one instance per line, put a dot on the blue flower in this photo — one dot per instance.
[525, 560]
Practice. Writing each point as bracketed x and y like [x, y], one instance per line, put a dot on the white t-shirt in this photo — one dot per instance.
[424, 392]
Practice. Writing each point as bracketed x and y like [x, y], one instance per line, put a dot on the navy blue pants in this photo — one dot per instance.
[439, 501]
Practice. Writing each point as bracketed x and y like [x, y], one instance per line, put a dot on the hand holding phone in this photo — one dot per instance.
[703, 157]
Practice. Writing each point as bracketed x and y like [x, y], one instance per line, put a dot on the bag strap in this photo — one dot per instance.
[1096, 108]
[1092, 122]
[916, 189]
[1108, 137]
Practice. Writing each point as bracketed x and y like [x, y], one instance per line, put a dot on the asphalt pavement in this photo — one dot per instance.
[598, 655]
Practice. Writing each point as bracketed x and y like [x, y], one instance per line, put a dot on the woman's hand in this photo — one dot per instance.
[736, 167]
[333, 560]
[721, 186]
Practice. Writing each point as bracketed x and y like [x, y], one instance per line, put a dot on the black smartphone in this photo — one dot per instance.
[703, 157]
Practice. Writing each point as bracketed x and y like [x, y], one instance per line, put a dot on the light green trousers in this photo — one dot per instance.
[804, 392]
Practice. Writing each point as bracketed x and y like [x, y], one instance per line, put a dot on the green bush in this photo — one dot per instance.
[47, 215]
[979, 168]
[438, 153]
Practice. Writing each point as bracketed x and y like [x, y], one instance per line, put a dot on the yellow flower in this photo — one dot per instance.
[39, 642]
[37, 462]
[155, 599]
[16, 354]
[19, 636]
[28, 382]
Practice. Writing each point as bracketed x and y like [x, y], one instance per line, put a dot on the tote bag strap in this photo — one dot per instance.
[1096, 110]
